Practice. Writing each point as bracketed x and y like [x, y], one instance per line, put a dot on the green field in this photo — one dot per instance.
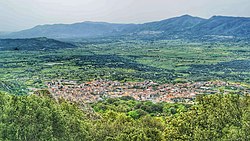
[163, 61]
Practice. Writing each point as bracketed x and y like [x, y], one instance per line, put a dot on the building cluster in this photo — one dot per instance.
[147, 90]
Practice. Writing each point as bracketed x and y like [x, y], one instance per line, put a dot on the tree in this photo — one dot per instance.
[215, 117]
[40, 118]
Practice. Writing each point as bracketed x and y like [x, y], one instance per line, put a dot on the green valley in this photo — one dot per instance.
[180, 79]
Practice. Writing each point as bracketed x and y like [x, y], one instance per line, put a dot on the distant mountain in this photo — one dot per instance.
[171, 25]
[221, 25]
[77, 30]
[183, 26]
[33, 44]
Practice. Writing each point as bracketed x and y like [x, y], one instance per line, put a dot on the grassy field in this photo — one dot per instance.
[162, 61]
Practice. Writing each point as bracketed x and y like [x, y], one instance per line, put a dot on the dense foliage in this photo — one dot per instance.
[214, 117]
[35, 118]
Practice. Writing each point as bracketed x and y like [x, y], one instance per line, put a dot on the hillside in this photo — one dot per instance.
[172, 25]
[179, 27]
[33, 44]
[225, 26]
[76, 30]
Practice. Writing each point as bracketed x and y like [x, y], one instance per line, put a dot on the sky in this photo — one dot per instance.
[17, 15]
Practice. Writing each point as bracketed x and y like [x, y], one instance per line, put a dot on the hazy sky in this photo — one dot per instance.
[22, 14]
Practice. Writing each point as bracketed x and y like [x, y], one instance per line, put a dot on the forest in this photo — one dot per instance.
[212, 117]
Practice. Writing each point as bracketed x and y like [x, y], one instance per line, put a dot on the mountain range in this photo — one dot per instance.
[177, 27]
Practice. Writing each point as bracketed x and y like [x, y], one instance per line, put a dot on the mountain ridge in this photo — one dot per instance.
[185, 25]
[33, 44]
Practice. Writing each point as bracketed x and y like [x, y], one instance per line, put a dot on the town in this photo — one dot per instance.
[97, 90]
